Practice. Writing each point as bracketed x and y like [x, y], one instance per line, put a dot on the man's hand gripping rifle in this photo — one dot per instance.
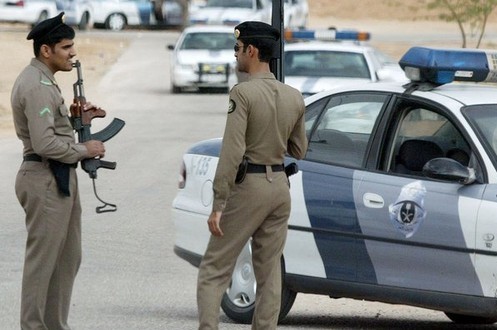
[81, 121]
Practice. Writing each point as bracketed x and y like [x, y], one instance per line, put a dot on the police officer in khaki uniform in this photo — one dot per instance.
[46, 184]
[265, 121]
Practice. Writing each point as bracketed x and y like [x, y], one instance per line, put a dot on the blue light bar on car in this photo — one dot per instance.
[442, 66]
[326, 35]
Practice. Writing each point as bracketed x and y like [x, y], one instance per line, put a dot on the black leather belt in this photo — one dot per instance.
[254, 168]
[32, 158]
[37, 158]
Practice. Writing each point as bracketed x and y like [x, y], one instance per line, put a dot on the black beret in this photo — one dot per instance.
[51, 29]
[255, 29]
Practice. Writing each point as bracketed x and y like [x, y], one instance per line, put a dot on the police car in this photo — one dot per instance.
[203, 57]
[231, 12]
[317, 60]
[395, 200]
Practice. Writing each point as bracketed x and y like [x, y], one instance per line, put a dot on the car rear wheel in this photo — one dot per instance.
[43, 16]
[115, 22]
[238, 302]
[175, 89]
[470, 319]
[84, 22]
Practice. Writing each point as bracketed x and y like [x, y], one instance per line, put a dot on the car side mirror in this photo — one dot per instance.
[170, 47]
[449, 170]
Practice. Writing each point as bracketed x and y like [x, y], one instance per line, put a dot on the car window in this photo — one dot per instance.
[210, 41]
[321, 63]
[312, 112]
[424, 134]
[342, 131]
[483, 119]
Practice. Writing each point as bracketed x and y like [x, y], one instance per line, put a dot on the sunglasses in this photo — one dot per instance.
[237, 48]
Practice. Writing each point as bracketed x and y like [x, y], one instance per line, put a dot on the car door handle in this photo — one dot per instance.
[374, 201]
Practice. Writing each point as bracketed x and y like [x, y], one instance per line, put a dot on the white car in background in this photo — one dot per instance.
[203, 58]
[119, 14]
[78, 13]
[296, 14]
[231, 12]
[314, 66]
[27, 11]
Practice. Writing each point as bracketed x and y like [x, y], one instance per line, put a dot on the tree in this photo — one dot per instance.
[472, 13]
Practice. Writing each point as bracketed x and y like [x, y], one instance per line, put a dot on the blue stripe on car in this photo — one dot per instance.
[332, 213]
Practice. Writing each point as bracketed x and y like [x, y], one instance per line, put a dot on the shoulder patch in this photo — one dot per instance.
[231, 106]
[44, 111]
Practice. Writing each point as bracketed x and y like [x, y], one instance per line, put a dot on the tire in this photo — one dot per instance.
[43, 16]
[84, 22]
[175, 89]
[238, 302]
[115, 22]
[470, 319]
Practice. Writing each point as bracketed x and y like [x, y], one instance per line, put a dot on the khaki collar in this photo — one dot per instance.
[262, 75]
[44, 69]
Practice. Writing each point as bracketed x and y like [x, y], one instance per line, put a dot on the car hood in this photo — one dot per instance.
[205, 56]
[219, 15]
[313, 85]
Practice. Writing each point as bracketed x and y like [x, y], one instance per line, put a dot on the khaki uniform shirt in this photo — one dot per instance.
[41, 117]
[265, 121]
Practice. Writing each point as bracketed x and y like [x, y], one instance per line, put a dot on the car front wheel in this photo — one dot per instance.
[238, 302]
[115, 22]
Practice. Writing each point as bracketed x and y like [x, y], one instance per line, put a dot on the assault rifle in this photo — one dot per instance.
[81, 122]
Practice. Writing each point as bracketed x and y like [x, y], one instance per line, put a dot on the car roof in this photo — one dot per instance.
[208, 28]
[465, 93]
[327, 45]
[469, 93]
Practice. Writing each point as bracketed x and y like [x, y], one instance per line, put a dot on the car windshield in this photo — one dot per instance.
[483, 118]
[230, 3]
[209, 41]
[322, 63]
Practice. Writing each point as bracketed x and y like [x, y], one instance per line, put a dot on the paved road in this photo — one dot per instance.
[130, 278]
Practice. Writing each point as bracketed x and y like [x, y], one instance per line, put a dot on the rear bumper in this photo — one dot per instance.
[191, 233]
[184, 78]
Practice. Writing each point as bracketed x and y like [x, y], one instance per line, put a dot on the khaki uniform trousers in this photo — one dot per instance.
[259, 209]
[53, 246]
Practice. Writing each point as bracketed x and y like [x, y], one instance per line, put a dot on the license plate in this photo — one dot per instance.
[213, 78]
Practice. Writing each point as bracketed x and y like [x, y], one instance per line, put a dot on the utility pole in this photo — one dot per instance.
[277, 21]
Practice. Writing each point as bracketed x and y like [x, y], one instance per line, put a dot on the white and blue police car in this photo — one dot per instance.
[395, 200]
[317, 60]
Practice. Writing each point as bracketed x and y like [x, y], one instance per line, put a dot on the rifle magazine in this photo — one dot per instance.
[110, 131]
